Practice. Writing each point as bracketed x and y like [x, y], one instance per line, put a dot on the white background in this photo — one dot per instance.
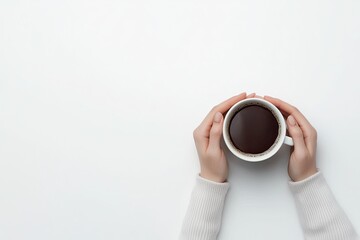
[98, 101]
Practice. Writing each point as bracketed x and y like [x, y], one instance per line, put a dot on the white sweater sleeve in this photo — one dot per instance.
[320, 215]
[203, 217]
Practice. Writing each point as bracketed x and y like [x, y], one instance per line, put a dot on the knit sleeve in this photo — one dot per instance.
[320, 215]
[203, 218]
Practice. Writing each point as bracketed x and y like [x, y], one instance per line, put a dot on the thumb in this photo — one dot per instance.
[296, 134]
[216, 131]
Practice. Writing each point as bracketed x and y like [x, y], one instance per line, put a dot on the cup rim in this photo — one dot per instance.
[249, 157]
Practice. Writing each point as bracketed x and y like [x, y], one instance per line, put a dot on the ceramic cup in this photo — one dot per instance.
[280, 140]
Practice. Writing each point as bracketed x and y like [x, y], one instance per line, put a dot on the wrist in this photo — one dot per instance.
[213, 177]
[304, 175]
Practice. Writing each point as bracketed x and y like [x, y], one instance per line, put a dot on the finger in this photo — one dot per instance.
[202, 132]
[201, 143]
[285, 114]
[222, 108]
[288, 109]
[251, 95]
[296, 134]
[215, 132]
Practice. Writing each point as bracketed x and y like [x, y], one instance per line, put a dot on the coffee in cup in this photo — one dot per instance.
[254, 130]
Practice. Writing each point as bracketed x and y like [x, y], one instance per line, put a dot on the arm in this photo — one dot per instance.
[320, 215]
[203, 217]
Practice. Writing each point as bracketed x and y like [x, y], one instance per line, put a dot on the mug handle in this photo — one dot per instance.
[288, 141]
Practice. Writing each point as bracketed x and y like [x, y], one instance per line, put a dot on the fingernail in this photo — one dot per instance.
[291, 120]
[218, 117]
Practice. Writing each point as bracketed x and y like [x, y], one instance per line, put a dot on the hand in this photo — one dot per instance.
[207, 138]
[302, 162]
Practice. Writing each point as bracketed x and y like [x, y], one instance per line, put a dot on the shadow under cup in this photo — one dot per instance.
[254, 130]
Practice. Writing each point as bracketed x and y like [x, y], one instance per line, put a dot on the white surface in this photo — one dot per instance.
[98, 101]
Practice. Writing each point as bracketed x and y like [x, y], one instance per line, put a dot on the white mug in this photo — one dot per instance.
[280, 140]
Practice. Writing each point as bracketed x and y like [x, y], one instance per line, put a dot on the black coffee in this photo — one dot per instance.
[253, 129]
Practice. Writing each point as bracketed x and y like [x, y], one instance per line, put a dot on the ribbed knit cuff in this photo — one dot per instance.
[320, 215]
[211, 188]
[203, 217]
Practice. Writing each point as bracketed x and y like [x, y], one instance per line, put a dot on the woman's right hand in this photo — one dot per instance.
[302, 163]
